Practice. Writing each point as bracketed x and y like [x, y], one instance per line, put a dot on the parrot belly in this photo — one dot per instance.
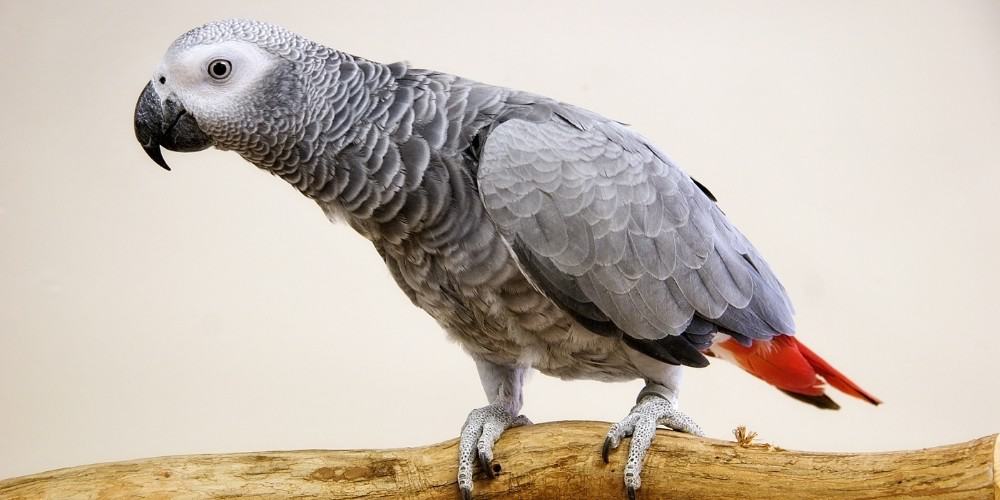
[504, 319]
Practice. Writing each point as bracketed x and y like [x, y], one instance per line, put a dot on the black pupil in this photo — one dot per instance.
[220, 68]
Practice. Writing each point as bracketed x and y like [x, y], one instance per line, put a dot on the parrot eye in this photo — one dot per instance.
[219, 69]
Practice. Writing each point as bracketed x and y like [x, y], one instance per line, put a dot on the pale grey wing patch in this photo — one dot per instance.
[656, 254]
[666, 302]
[544, 229]
[727, 277]
[630, 233]
[770, 308]
[630, 268]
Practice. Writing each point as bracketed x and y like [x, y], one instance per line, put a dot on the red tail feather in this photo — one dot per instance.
[789, 365]
[833, 376]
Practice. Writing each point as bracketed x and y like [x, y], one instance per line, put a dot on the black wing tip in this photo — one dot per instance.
[705, 190]
[672, 349]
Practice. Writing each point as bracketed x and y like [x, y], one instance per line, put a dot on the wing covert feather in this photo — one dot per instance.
[608, 223]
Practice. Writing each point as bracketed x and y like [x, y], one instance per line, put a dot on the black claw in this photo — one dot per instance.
[631, 493]
[606, 449]
[486, 466]
[466, 494]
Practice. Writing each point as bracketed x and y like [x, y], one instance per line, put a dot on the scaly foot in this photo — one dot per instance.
[481, 430]
[651, 410]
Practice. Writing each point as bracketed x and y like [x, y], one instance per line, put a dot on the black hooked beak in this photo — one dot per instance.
[168, 125]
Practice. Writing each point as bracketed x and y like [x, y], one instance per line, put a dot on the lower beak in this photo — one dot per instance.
[166, 123]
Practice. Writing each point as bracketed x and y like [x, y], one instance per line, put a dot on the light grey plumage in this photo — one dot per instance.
[538, 234]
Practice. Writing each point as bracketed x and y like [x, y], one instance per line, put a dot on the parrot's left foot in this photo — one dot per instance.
[481, 430]
[651, 410]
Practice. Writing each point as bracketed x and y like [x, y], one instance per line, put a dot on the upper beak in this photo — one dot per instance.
[166, 123]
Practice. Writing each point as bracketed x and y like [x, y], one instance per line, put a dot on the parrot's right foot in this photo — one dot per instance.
[651, 410]
[482, 428]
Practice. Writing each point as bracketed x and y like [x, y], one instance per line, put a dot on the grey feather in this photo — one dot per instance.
[664, 251]
[516, 221]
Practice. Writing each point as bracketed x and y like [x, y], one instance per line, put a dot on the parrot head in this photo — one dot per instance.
[235, 85]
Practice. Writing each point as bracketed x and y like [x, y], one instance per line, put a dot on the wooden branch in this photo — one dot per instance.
[544, 461]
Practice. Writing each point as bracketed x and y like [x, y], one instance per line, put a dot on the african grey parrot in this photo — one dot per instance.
[538, 234]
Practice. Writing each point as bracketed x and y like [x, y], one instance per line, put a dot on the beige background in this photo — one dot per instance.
[213, 309]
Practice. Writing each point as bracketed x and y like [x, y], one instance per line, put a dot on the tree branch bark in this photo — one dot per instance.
[544, 461]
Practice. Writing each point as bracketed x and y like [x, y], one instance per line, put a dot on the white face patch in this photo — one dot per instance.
[194, 76]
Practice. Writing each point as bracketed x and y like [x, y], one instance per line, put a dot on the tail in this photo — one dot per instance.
[787, 364]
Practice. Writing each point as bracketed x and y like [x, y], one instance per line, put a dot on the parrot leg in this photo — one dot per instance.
[485, 425]
[654, 406]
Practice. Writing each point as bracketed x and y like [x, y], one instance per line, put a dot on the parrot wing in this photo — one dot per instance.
[610, 230]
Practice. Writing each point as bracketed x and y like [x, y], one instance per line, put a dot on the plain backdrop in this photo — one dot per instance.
[214, 309]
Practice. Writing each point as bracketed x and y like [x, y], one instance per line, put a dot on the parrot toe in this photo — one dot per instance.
[481, 430]
[640, 424]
